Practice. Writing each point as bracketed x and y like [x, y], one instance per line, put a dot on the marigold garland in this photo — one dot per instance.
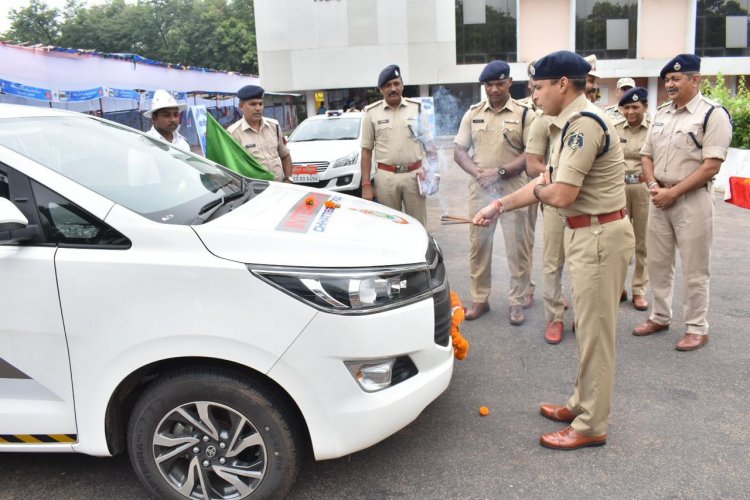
[309, 200]
[460, 344]
[484, 411]
[332, 204]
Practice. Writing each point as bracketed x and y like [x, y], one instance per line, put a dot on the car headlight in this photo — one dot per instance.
[350, 291]
[345, 161]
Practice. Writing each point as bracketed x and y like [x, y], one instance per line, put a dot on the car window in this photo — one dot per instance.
[329, 129]
[143, 174]
[4, 185]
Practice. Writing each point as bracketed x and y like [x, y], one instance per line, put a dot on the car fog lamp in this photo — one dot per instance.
[373, 375]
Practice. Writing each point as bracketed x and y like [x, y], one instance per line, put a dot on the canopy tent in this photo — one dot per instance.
[74, 78]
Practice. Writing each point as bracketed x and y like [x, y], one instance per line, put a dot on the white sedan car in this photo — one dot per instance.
[326, 150]
[212, 326]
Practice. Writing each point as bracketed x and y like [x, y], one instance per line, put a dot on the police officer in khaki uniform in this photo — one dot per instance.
[537, 155]
[394, 130]
[684, 150]
[623, 85]
[592, 80]
[496, 130]
[587, 166]
[632, 128]
[260, 135]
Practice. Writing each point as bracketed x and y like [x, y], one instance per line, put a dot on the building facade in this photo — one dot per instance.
[334, 49]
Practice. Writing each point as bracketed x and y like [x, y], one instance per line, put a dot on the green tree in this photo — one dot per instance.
[591, 31]
[34, 24]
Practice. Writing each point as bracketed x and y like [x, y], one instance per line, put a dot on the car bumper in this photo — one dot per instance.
[341, 417]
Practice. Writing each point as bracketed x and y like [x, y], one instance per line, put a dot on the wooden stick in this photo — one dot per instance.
[455, 218]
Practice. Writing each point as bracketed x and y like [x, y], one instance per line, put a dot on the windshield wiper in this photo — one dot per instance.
[210, 208]
[310, 140]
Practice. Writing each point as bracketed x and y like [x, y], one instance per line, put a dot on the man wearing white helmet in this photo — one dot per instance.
[165, 115]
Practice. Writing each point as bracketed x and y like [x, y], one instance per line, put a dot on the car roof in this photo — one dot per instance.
[21, 111]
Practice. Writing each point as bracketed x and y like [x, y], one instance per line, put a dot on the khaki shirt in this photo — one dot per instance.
[392, 133]
[266, 145]
[669, 144]
[632, 139]
[576, 163]
[539, 139]
[497, 137]
[613, 112]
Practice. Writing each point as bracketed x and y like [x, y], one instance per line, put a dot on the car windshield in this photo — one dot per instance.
[143, 174]
[329, 129]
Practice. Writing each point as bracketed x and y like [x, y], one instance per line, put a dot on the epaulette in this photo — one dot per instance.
[234, 126]
[539, 113]
[614, 106]
[370, 106]
[619, 121]
[476, 105]
[710, 102]
[664, 105]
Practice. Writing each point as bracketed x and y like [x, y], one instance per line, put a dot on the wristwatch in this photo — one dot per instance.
[501, 170]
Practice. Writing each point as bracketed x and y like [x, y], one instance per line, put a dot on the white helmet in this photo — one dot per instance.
[163, 99]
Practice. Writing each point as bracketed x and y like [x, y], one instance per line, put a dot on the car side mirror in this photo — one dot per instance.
[11, 217]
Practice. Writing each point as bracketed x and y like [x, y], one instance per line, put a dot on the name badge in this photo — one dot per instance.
[478, 120]
[658, 124]
[623, 141]
[516, 122]
[380, 122]
[248, 146]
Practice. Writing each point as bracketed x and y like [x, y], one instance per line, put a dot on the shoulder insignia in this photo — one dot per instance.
[477, 105]
[272, 121]
[619, 121]
[370, 106]
[711, 102]
[575, 140]
[234, 126]
[611, 108]
[664, 105]
[539, 113]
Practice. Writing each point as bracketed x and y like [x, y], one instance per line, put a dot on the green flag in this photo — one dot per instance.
[222, 148]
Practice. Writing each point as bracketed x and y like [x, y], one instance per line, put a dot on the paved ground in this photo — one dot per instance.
[679, 425]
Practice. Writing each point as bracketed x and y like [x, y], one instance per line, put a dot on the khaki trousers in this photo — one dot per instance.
[638, 201]
[554, 260]
[518, 234]
[401, 192]
[686, 226]
[598, 258]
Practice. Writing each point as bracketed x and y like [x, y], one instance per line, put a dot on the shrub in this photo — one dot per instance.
[738, 106]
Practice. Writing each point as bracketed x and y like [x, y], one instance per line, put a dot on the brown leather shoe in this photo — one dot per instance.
[624, 296]
[570, 439]
[477, 310]
[516, 315]
[691, 342]
[558, 413]
[528, 300]
[640, 302]
[648, 328]
[554, 333]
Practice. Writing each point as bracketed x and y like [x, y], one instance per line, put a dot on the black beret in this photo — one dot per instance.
[559, 64]
[683, 63]
[250, 92]
[388, 74]
[636, 94]
[495, 70]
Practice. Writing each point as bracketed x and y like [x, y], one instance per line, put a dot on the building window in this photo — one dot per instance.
[608, 29]
[485, 31]
[721, 28]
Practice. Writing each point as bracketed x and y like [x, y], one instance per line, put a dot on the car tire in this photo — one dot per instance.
[214, 428]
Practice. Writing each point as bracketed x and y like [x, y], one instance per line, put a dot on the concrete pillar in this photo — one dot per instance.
[653, 95]
[310, 98]
[424, 91]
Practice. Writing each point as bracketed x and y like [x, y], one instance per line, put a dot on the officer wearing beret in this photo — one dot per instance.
[395, 131]
[586, 186]
[623, 85]
[260, 135]
[496, 130]
[683, 151]
[632, 127]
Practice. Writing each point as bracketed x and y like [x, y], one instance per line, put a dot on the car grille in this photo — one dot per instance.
[441, 293]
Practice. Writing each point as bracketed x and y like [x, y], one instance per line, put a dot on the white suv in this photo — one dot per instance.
[326, 150]
[213, 326]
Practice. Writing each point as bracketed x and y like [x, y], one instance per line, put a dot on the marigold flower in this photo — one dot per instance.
[309, 200]
[332, 204]
[484, 411]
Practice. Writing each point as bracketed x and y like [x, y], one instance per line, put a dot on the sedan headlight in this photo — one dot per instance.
[350, 291]
[345, 161]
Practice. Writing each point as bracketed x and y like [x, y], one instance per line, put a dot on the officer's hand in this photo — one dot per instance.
[662, 197]
[487, 215]
[367, 192]
[486, 177]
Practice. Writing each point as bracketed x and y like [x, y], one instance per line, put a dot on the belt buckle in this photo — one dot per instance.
[632, 179]
[402, 169]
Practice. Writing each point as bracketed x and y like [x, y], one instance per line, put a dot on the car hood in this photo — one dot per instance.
[292, 226]
[314, 151]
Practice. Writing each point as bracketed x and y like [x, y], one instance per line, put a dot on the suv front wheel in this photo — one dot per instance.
[212, 435]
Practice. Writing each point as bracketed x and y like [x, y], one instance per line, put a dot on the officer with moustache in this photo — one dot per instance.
[394, 130]
[586, 187]
[496, 130]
